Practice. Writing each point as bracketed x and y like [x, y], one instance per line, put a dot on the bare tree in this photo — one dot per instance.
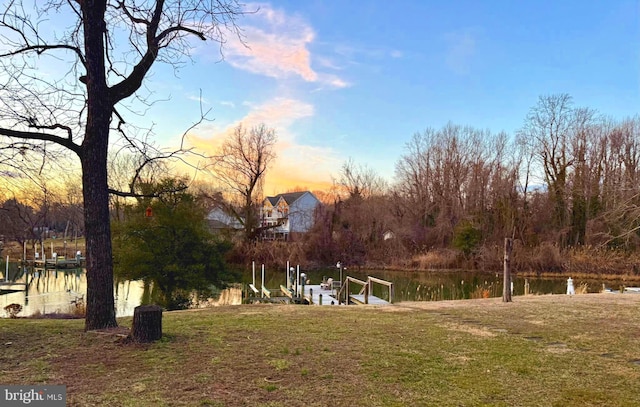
[548, 128]
[79, 109]
[360, 181]
[240, 166]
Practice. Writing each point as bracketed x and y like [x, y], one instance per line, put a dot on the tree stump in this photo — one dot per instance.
[147, 323]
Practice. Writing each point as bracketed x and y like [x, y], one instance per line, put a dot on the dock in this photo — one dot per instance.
[365, 295]
[58, 262]
[329, 292]
[318, 295]
[323, 294]
[11, 286]
[372, 300]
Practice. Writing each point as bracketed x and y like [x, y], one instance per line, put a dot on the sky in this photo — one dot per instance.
[342, 80]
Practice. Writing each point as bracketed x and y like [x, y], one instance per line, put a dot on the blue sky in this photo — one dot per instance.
[356, 79]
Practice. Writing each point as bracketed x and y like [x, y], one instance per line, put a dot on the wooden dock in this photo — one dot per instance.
[59, 262]
[365, 296]
[372, 300]
[10, 286]
[328, 293]
[318, 295]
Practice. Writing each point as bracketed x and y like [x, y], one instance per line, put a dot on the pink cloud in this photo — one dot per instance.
[276, 45]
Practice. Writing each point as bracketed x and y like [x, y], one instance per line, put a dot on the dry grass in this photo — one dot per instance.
[436, 259]
[537, 351]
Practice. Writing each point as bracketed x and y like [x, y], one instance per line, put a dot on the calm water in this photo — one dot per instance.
[433, 285]
[55, 291]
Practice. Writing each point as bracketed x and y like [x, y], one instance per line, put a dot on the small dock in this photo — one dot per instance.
[372, 300]
[365, 295]
[58, 262]
[10, 286]
[329, 292]
[320, 295]
[332, 293]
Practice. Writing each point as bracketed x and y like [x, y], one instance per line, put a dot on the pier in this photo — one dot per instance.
[12, 287]
[329, 292]
[57, 262]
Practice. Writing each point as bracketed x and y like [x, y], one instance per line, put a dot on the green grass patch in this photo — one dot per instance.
[536, 351]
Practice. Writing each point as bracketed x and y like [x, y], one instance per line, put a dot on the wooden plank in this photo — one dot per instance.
[286, 291]
[373, 300]
[379, 281]
[327, 295]
[266, 292]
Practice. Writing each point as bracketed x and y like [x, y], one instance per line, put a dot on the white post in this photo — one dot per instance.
[287, 282]
[261, 288]
[6, 271]
[51, 248]
[24, 253]
[298, 281]
[253, 269]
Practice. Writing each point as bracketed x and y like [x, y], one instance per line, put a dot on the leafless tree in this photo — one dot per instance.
[360, 181]
[68, 67]
[548, 128]
[240, 167]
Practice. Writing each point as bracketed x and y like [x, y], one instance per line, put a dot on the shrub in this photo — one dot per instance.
[13, 310]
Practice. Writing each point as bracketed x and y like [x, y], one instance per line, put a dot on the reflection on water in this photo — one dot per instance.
[60, 291]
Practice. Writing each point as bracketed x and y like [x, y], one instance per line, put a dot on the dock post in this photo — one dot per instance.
[366, 292]
[310, 295]
[320, 299]
[262, 288]
[288, 278]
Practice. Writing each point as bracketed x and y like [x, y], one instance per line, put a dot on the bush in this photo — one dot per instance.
[13, 310]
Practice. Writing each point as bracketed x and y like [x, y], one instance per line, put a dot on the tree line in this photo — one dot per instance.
[567, 179]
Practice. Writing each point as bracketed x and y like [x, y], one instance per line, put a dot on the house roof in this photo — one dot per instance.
[289, 197]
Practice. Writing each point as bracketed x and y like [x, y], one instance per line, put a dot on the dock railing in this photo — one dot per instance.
[347, 291]
[389, 284]
[366, 290]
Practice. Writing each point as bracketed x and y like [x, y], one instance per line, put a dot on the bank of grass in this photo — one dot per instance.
[536, 351]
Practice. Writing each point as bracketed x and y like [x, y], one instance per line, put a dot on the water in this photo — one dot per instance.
[58, 291]
[63, 291]
[435, 285]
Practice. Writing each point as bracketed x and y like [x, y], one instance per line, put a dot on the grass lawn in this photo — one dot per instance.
[537, 351]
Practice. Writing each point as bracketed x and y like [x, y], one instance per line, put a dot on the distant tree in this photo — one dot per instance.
[240, 166]
[102, 52]
[359, 181]
[548, 128]
[172, 248]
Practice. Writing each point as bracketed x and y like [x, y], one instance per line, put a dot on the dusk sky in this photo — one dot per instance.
[356, 79]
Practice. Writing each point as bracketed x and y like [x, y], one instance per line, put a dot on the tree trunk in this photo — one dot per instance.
[93, 157]
[506, 290]
[147, 323]
[100, 294]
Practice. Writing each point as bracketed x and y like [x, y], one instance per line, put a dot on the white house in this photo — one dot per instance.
[284, 214]
[220, 220]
